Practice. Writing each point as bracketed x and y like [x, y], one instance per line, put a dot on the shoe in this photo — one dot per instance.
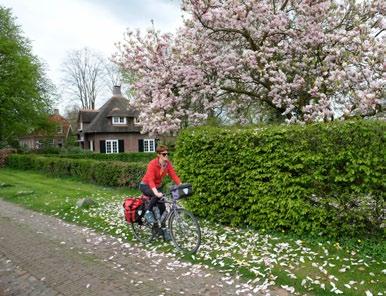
[156, 230]
[166, 234]
[149, 217]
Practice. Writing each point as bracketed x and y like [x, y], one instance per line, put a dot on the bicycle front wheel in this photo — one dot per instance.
[185, 231]
[143, 231]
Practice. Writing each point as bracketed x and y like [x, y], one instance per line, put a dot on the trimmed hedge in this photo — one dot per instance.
[127, 157]
[108, 173]
[325, 178]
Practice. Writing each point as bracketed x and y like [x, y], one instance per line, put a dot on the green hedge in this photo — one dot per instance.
[127, 157]
[109, 173]
[325, 178]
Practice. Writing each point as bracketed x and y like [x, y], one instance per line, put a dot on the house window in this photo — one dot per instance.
[59, 129]
[148, 145]
[119, 120]
[111, 146]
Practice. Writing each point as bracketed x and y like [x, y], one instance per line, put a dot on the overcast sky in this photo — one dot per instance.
[56, 27]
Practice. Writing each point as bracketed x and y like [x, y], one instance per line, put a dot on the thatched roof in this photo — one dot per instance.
[87, 115]
[117, 105]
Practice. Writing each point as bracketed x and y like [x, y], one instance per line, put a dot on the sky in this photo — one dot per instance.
[56, 27]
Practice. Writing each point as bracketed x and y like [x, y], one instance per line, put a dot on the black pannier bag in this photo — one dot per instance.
[181, 191]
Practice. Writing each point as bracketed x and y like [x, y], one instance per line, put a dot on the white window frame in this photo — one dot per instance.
[112, 146]
[59, 129]
[119, 120]
[148, 145]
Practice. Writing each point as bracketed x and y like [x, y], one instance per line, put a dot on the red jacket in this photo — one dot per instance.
[155, 174]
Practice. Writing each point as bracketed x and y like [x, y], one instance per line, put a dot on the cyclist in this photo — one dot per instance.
[151, 183]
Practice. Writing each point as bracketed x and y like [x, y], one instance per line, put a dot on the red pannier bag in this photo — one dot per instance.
[130, 205]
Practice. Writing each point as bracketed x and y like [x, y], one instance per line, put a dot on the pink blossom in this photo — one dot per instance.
[309, 61]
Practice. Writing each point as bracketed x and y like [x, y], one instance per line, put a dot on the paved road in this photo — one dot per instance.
[42, 255]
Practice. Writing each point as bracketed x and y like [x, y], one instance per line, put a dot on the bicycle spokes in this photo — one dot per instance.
[143, 231]
[183, 226]
[185, 231]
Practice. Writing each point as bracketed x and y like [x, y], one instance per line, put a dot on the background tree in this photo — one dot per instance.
[299, 61]
[25, 92]
[71, 114]
[88, 76]
[83, 76]
[115, 76]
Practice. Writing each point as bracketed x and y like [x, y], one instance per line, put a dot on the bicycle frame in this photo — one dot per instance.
[183, 227]
[168, 199]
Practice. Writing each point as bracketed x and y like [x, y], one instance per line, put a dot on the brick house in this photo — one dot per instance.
[112, 128]
[57, 138]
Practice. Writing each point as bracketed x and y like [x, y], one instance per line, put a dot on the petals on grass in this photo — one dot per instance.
[288, 288]
[233, 249]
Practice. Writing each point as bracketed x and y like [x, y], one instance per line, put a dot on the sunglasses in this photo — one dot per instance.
[164, 154]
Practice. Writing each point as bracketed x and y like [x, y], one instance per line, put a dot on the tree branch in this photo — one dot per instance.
[284, 5]
[376, 35]
[252, 94]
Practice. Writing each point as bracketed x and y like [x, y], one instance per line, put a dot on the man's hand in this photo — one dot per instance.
[159, 194]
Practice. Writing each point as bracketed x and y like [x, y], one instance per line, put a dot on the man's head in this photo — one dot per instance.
[162, 151]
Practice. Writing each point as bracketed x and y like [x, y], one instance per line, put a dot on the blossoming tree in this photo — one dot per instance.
[304, 60]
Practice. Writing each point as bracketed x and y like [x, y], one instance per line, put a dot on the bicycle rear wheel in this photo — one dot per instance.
[185, 231]
[143, 231]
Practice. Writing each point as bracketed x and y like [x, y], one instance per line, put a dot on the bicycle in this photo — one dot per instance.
[182, 225]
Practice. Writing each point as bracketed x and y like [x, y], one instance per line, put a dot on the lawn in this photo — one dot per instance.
[302, 266]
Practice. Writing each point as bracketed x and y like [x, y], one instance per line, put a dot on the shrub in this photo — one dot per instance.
[324, 178]
[126, 157]
[109, 173]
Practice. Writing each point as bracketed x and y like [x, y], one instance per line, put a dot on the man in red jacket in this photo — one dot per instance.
[151, 183]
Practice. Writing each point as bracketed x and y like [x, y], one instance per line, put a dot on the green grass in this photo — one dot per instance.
[58, 196]
[309, 266]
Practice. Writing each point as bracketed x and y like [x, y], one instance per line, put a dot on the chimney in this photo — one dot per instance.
[117, 91]
[56, 111]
